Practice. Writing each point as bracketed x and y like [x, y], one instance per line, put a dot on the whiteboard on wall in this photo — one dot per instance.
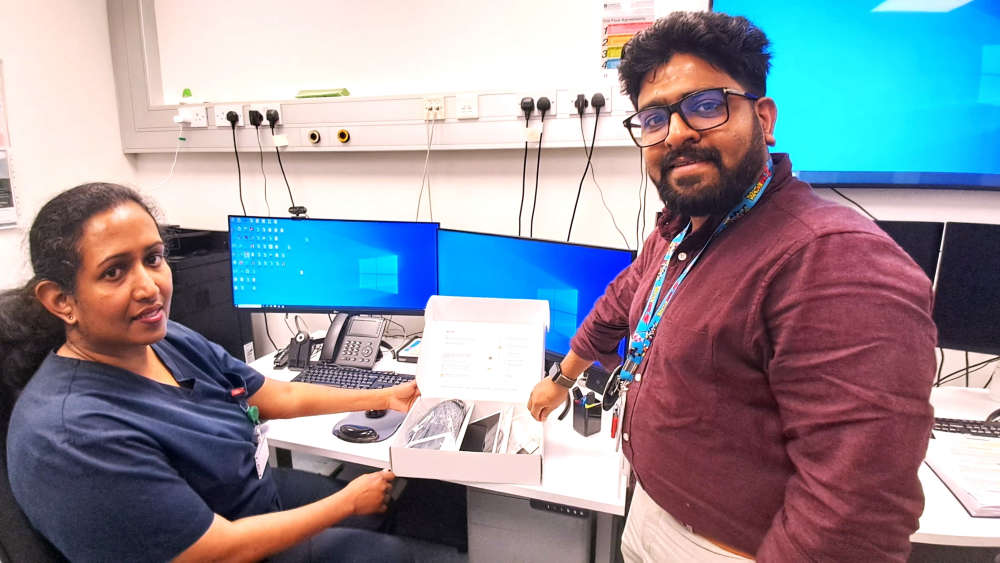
[266, 50]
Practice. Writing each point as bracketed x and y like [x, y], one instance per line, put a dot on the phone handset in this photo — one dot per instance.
[353, 341]
[333, 337]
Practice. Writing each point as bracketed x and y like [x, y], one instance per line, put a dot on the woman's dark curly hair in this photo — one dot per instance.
[27, 330]
[731, 44]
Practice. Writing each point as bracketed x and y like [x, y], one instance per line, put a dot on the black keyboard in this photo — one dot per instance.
[973, 427]
[350, 377]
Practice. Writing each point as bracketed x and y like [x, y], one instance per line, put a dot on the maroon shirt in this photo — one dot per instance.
[783, 407]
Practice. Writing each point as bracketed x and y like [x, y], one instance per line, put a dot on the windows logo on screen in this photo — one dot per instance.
[562, 309]
[379, 274]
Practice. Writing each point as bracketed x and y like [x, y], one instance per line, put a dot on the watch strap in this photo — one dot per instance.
[556, 375]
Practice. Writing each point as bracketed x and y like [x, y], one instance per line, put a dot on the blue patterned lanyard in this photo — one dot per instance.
[642, 338]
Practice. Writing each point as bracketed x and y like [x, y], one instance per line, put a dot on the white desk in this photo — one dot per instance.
[579, 472]
[945, 521]
[585, 472]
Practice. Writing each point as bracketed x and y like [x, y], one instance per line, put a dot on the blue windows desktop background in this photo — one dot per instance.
[324, 265]
[570, 277]
[877, 92]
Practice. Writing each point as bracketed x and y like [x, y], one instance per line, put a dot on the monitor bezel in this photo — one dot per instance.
[324, 309]
[634, 253]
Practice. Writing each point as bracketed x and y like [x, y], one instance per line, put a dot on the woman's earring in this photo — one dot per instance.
[69, 317]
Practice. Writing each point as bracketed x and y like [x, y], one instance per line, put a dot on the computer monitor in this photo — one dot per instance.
[324, 265]
[920, 239]
[571, 277]
[854, 91]
[967, 300]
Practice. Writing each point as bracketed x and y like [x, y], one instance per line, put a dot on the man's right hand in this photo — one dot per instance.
[546, 397]
[370, 493]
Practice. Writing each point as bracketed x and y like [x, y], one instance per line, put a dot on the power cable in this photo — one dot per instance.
[856, 204]
[544, 105]
[600, 191]
[590, 154]
[267, 204]
[232, 117]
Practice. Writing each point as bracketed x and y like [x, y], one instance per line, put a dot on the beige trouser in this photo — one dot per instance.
[653, 535]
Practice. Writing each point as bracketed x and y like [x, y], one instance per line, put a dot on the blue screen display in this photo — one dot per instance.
[877, 92]
[570, 277]
[330, 265]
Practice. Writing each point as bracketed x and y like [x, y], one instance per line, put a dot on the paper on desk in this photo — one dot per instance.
[479, 355]
[970, 467]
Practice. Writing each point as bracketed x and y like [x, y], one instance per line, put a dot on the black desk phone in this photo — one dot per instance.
[353, 341]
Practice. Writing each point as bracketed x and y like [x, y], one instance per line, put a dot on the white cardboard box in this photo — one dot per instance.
[489, 352]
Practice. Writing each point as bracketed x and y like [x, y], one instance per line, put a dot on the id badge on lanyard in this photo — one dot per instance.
[262, 452]
[652, 313]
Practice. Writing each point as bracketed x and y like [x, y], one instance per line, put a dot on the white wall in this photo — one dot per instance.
[61, 109]
[64, 131]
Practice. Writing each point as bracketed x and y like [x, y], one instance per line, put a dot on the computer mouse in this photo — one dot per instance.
[375, 413]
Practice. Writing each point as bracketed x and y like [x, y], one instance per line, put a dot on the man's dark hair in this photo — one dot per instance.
[731, 44]
[27, 330]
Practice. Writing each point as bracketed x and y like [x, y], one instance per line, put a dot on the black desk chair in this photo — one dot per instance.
[19, 542]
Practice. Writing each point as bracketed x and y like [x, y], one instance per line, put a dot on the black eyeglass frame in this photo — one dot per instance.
[675, 108]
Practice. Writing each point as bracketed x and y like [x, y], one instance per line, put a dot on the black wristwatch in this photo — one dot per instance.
[556, 375]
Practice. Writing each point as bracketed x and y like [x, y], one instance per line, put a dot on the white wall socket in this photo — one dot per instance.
[535, 95]
[192, 116]
[220, 114]
[262, 108]
[568, 97]
[433, 108]
[467, 106]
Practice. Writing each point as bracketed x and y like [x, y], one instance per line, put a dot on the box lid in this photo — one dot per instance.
[481, 348]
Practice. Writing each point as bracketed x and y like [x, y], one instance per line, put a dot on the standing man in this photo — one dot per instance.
[781, 347]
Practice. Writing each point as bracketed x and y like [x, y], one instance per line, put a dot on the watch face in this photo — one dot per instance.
[554, 371]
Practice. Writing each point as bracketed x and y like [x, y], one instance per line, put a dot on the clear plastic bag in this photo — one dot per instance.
[439, 429]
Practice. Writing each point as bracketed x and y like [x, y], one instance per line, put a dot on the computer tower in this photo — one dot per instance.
[203, 297]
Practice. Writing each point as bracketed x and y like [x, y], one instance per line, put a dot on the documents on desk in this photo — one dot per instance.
[479, 360]
[970, 467]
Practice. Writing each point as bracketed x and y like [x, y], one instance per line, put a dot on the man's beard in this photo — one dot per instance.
[712, 199]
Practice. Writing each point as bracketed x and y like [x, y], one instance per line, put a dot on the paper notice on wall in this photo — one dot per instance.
[8, 216]
[4, 137]
[620, 21]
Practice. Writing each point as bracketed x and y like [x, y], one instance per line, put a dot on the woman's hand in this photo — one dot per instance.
[401, 397]
[370, 493]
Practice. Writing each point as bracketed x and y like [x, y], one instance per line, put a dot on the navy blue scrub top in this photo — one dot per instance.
[110, 465]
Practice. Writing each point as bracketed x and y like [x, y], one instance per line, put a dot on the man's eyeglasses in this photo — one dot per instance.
[701, 110]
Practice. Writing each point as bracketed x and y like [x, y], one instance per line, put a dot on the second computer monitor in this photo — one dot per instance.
[322, 265]
[571, 277]
[967, 299]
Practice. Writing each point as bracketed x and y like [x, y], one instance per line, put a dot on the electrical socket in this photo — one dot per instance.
[191, 116]
[262, 108]
[220, 115]
[551, 95]
[567, 97]
[467, 105]
[433, 108]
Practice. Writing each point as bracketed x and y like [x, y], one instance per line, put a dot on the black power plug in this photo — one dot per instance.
[543, 105]
[581, 104]
[527, 106]
[233, 118]
[255, 118]
[597, 101]
[272, 118]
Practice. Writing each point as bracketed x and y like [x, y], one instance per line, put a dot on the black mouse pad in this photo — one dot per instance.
[383, 427]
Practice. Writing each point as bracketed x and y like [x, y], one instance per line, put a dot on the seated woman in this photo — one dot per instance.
[135, 438]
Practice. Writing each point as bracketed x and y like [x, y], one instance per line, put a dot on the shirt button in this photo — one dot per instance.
[682, 256]
[638, 377]
[625, 436]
